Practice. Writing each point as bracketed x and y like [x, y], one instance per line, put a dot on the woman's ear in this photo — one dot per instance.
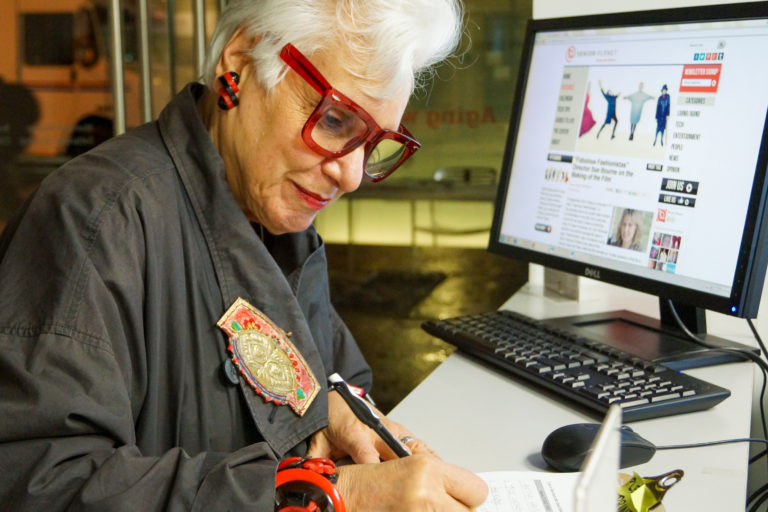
[234, 56]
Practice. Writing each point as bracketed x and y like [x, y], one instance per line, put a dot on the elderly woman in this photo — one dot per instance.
[166, 333]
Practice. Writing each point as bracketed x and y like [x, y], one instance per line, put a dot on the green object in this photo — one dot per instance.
[642, 494]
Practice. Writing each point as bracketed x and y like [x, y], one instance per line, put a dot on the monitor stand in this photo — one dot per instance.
[652, 339]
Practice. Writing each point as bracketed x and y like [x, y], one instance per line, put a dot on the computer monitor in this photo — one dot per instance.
[636, 155]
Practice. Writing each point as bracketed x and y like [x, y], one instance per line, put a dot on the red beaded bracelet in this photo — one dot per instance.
[306, 485]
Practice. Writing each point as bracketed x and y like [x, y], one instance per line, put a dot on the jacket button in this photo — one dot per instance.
[230, 372]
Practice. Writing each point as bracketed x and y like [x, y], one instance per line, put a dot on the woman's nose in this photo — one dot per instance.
[346, 171]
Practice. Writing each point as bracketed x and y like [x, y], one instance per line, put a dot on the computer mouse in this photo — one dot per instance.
[566, 448]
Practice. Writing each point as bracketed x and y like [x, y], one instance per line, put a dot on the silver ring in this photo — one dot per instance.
[407, 439]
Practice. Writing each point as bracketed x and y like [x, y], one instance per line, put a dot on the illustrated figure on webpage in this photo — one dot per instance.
[587, 120]
[637, 99]
[610, 113]
[662, 112]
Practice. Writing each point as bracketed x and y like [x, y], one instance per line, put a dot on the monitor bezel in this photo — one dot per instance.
[753, 254]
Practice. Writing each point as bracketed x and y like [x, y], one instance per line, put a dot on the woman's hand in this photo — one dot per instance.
[419, 483]
[346, 435]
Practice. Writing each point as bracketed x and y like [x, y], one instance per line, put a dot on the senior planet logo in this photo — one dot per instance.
[570, 53]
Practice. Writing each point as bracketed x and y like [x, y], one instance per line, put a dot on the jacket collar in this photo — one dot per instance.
[243, 265]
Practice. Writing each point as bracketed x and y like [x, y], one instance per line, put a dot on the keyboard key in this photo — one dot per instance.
[540, 368]
[595, 392]
[667, 396]
[633, 402]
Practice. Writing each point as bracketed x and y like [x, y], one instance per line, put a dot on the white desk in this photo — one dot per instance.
[479, 418]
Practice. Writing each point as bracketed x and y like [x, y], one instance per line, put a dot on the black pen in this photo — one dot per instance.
[367, 415]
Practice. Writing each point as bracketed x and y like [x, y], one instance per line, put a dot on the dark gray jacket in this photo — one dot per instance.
[112, 279]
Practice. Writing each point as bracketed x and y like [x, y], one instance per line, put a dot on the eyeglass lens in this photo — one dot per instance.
[383, 156]
[338, 128]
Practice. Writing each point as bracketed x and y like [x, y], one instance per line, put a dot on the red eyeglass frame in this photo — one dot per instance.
[374, 134]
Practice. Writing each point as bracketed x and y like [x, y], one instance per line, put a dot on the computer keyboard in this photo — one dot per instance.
[586, 371]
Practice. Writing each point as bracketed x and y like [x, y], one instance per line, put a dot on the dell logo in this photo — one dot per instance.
[594, 273]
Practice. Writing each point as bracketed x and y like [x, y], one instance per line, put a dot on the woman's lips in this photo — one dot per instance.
[314, 201]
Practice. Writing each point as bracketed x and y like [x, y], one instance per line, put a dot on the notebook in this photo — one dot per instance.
[593, 489]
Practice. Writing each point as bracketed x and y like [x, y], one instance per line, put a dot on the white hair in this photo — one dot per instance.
[389, 45]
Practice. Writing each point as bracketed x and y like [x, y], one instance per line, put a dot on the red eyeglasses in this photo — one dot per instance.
[338, 125]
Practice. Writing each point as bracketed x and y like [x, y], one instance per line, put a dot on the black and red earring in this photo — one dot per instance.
[228, 92]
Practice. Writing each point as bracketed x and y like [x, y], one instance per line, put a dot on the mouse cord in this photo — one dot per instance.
[762, 392]
[761, 490]
[761, 496]
[742, 353]
[757, 456]
[763, 368]
[713, 443]
[700, 341]
[758, 503]
[757, 493]
[757, 336]
[762, 417]
[746, 353]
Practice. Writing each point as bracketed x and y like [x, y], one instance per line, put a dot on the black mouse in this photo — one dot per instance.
[566, 448]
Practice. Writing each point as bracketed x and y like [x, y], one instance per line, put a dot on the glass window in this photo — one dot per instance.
[129, 33]
[48, 39]
[55, 101]
[85, 43]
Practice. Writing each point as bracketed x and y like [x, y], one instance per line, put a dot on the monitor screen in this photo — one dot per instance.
[637, 153]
